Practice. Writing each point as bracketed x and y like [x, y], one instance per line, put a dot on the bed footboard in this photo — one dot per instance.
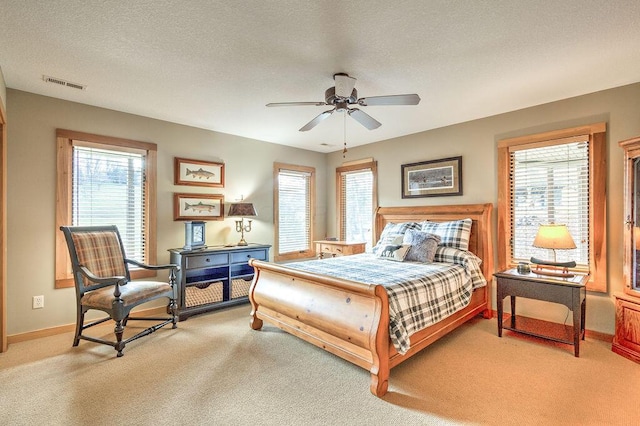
[346, 318]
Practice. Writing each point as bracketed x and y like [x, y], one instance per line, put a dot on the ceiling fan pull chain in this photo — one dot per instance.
[344, 120]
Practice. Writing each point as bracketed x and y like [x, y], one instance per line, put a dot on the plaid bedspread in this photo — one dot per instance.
[420, 294]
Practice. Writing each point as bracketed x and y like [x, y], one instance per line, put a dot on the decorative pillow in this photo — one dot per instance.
[391, 232]
[453, 234]
[396, 252]
[423, 245]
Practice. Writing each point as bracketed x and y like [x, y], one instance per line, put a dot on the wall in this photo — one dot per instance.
[476, 141]
[31, 191]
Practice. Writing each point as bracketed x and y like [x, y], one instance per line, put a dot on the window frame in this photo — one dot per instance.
[311, 252]
[596, 134]
[361, 166]
[65, 140]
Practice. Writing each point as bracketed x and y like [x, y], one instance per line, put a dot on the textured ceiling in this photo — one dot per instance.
[215, 64]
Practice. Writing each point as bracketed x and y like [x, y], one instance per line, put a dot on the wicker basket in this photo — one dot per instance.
[240, 288]
[203, 294]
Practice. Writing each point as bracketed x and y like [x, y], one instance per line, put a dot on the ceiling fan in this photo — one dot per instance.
[344, 94]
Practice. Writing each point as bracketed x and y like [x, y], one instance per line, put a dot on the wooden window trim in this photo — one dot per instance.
[65, 142]
[597, 195]
[276, 214]
[369, 165]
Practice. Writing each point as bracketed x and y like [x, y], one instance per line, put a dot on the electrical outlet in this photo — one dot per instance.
[38, 302]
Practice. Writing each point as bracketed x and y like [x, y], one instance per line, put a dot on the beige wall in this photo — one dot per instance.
[31, 183]
[476, 142]
[31, 191]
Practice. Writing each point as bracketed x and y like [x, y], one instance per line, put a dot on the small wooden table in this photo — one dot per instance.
[338, 248]
[570, 292]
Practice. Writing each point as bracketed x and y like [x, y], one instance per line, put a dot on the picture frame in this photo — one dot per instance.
[198, 173]
[435, 178]
[198, 207]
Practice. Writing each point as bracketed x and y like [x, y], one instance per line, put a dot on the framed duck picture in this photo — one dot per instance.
[198, 173]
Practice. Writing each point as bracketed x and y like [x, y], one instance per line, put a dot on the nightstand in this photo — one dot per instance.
[571, 292]
[338, 248]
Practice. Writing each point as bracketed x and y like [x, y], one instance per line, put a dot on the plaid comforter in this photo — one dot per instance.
[420, 294]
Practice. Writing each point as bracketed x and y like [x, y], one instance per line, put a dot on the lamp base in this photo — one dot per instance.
[553, 269]
[553, 273]
[243, 242]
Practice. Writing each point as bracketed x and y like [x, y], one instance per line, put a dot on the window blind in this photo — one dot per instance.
[550, 184]
[356, 205]
[294, 211]
[108, 188]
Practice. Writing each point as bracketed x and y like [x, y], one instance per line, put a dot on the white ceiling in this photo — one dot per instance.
[215, 64]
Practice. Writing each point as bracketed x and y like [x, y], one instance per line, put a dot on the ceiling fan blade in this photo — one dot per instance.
[365, 119]
[279, 104]
[412, 99]
[313, 123]
[344, 85]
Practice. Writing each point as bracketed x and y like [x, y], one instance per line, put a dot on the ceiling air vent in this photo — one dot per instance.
[62, 82]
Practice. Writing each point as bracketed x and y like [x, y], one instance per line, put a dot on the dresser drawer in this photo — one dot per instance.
[244, 256]
[206, 260]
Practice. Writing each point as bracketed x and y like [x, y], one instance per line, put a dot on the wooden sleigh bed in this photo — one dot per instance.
[351, 319]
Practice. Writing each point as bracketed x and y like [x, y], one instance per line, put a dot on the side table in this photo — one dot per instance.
[570, 292]
[338, 248]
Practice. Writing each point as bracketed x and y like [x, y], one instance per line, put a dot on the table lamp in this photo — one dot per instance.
[554, 237]
[242, 210]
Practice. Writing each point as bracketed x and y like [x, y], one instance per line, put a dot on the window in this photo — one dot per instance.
[294, 195]
[106, 181]
[357, 201]
[555, 177]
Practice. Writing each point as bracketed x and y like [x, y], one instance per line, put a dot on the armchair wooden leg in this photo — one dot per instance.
[173, 310]
[119, 330]
[79, 324]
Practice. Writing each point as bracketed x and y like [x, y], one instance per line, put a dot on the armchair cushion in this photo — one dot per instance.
[131, 294]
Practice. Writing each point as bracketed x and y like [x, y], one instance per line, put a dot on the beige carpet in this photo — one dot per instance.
[214, 370]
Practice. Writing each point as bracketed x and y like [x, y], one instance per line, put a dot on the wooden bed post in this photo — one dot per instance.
[380, 368]
[255, 323]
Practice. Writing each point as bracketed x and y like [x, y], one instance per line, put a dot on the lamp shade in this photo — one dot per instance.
[554, 237]
[242, 209]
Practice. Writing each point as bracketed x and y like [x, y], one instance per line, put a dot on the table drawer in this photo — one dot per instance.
[206, 260]
[244, 256]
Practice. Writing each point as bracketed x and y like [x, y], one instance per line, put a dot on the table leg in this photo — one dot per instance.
[513, 312]
[584, 318]
[577, 326]
[499, 306]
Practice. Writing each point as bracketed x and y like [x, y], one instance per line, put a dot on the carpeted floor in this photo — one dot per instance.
[215, 370]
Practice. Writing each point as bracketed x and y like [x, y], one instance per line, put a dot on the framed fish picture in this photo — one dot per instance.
[198, 206]
[198, 173]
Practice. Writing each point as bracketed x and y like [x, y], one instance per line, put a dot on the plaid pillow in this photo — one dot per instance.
[466, 259]
[453, 234]
[423, 245]
[392, 234]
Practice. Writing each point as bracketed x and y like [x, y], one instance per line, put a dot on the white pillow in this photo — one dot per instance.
[391, 232]
[396, 252]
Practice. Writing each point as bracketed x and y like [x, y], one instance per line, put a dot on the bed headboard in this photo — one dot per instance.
[481, 239]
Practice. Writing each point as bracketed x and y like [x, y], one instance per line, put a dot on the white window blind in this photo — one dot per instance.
[294, 211]
[108, 189]
[356, 204]
[550, 184]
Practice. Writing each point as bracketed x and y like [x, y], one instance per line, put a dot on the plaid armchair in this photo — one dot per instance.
[102, 281]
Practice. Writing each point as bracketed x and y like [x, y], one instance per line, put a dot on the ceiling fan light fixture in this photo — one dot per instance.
[344, 94]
